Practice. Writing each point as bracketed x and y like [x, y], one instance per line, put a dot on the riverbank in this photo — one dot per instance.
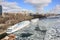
[10, 19]
[33, 21]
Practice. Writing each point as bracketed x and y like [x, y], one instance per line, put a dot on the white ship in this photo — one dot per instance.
[18, 26]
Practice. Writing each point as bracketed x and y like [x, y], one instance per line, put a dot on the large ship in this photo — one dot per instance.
[17, 27]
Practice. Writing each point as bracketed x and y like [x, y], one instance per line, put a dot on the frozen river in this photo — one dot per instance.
[43, 29]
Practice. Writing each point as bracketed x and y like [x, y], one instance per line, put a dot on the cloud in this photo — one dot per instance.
[10, 7]
[1, 0]
[56, 9]
[38, 1]
[38, 4]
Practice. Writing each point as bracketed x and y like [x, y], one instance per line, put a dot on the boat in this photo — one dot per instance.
[17, 27]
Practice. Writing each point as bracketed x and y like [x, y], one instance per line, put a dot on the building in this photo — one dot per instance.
[0, 10]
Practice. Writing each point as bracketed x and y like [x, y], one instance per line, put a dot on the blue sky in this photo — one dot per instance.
[30, 7]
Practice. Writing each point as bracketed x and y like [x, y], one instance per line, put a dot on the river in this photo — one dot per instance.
[42, 30]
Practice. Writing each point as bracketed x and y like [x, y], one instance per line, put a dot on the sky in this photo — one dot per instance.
[28, 6]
